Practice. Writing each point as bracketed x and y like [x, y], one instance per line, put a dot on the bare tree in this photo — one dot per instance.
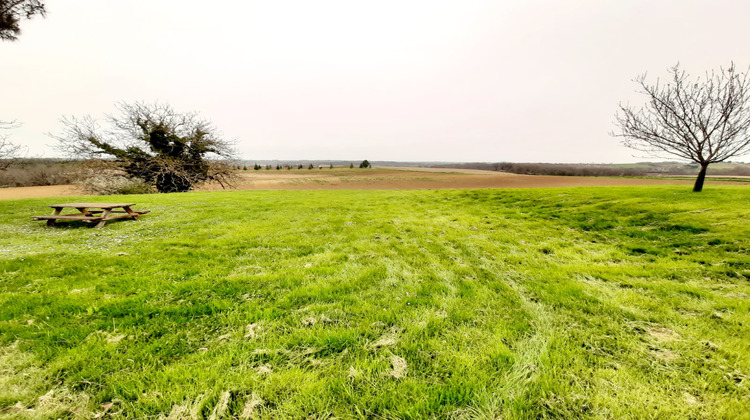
[704, 121]
[8, 150]
[168, 150]
[11, 13]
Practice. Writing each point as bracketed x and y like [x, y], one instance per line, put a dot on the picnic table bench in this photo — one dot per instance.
[102, 213]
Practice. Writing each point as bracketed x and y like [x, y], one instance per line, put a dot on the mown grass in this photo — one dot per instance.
[616, 303]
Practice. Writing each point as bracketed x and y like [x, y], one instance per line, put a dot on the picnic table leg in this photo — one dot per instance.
[104, 218]
[131, 212]
[57, 212]
[84, 211]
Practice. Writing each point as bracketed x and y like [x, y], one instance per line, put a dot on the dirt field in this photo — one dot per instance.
[376, 179]
[38, 192]
[416, 178]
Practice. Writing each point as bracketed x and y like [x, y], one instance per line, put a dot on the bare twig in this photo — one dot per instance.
[11, 13]
[8, 151]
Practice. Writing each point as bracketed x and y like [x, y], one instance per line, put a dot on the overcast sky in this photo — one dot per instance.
[459, 80]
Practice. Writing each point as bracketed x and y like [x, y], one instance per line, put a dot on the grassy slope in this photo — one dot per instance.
[547, 303]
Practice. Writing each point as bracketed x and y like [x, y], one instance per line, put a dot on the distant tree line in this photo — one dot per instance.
[289, 166]
[582, 169]
[561, 169]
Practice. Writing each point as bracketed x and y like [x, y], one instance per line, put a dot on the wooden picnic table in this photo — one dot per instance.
[101, 213]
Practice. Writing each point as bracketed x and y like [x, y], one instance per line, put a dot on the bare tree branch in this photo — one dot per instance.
[8, 150]
[11, 13]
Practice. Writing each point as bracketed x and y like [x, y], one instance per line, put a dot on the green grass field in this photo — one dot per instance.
[610, 303]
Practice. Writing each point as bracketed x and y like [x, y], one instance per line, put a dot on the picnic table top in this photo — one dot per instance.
[95, 205]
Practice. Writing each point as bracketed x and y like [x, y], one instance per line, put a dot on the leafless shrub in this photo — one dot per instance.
[37, 172]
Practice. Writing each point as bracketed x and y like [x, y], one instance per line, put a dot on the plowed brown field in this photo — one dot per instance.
[378, 179]
[39, 192]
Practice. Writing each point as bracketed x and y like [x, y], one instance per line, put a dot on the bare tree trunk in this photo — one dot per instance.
[698, 187]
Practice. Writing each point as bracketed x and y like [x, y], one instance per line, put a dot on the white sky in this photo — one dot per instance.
[459, 80]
